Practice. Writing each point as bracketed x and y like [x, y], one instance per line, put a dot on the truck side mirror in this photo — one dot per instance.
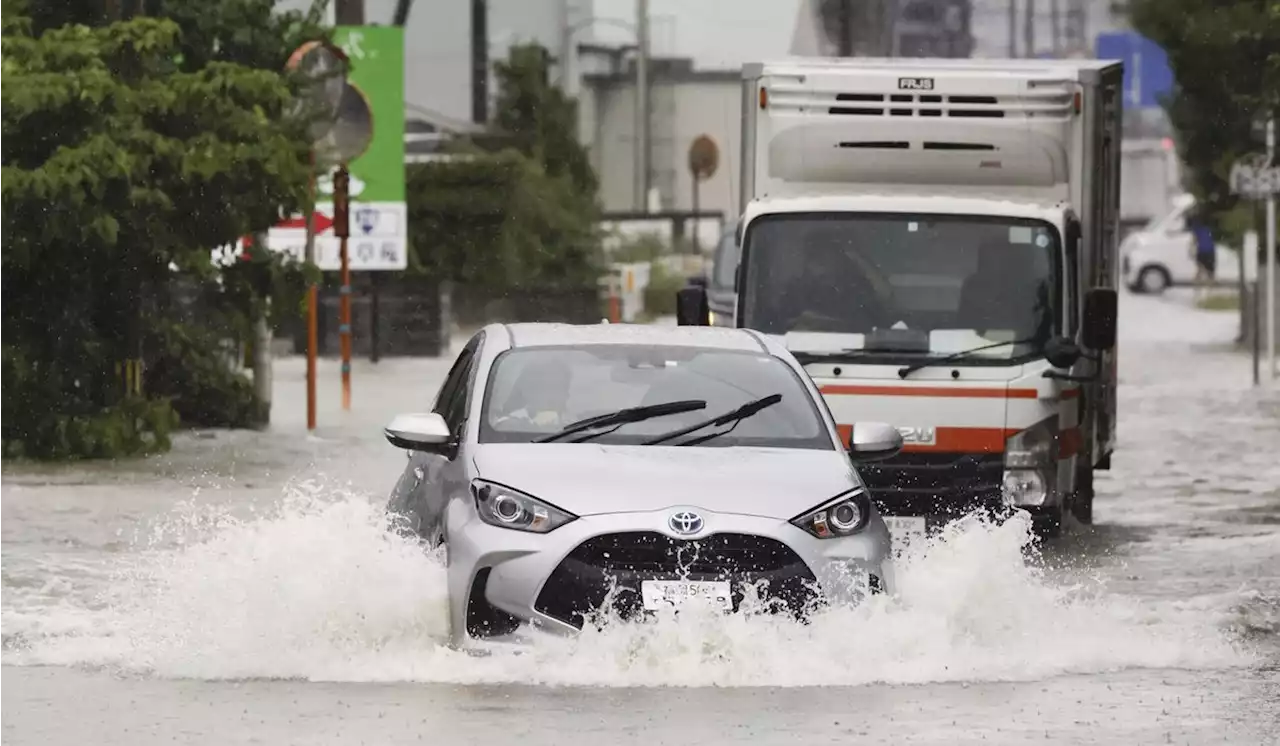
[1100, 311]
[691, 306]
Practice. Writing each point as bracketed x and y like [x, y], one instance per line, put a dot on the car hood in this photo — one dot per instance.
[587, 479]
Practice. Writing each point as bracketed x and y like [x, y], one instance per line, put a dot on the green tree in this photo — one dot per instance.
[131, 149]
[540, 119]
[525, 215]
[1225, 58]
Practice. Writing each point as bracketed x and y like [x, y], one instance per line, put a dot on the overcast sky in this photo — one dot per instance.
[716, 33]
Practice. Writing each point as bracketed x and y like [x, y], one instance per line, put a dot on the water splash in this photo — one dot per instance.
[319, 588]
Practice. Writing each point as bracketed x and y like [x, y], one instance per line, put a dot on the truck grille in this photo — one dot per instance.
[935, 484]
[582, 582]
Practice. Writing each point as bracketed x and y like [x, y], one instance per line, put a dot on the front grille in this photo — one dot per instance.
[935, 484]
[610, 568]
[716, 555]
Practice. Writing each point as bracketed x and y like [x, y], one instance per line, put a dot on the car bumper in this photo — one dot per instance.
[551, 579]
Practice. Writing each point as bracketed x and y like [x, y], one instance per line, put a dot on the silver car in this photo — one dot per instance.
[579, 473]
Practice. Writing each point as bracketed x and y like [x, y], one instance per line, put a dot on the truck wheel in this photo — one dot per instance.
[1082, 501]
[1153, 280]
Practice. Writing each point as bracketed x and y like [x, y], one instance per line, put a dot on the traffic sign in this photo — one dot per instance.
[379, 215]
[1147, 76]
[378, 239]
[704, 157]
[1252, 177]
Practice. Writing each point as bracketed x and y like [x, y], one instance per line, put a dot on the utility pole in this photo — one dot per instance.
[642, 154]
[1055, 28]
[480, 61]
[568, 61]
[844, 44]
[1271, 258]
[348, 12]
[1029, 30]
[1013, 28]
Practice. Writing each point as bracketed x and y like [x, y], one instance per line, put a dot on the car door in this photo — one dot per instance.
[421, 495]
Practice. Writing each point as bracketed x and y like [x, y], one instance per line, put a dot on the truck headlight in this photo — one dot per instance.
[1029, 457]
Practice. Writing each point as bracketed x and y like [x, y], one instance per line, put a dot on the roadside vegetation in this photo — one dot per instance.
[137, 141]
[1225, 58]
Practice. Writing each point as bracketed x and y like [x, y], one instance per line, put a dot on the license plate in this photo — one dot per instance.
[905, 530]
[666, 594]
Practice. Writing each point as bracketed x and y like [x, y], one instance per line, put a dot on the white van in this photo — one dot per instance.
[1162, 254]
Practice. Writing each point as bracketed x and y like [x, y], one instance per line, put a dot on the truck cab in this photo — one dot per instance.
[935, 240]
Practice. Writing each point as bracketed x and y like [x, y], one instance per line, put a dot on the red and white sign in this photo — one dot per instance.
[378, 240]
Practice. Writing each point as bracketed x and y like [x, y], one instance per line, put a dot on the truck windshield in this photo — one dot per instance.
[913, 285]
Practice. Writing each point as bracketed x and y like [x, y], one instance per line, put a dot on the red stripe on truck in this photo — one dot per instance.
[953, 392]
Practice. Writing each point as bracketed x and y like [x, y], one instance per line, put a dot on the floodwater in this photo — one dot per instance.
[243, 590]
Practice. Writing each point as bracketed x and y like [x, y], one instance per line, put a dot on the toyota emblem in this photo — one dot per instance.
[685, 523]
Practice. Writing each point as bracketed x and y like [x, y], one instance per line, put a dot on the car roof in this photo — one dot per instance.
[544, 334]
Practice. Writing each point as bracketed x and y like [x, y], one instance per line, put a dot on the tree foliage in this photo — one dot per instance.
[131, 149]
[523, 216]
[1225, 58]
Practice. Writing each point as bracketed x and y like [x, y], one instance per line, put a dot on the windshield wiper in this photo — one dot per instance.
[907, 370]
[624, 417]
[852, 353]
[735, 416]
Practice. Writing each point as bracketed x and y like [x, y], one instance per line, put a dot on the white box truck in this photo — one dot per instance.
[936, 240]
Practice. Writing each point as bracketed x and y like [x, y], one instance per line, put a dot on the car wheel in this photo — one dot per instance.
[1047, 522]
[1082, 501]
[1153, 280]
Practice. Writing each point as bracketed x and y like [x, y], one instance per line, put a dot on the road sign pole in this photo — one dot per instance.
[313, 300]
[1271, 257]
[341, 229]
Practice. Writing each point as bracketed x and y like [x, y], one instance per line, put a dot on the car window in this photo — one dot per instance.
[533, 392]
[451, 401]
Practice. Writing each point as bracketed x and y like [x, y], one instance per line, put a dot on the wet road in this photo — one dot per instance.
[241, 590]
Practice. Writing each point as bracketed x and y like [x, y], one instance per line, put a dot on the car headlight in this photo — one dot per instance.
[507, 508]
[840, 516]
[1028, 457]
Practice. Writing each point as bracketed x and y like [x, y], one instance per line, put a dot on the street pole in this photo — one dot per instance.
[341, 226]
[642, 106]
[1013, 28]
[313, 300]
[1271, 258]
[1029, 30]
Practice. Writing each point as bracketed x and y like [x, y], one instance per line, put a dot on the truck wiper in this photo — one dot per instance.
[852, 353]
[907, 370]
[735, 416]
[624, 417]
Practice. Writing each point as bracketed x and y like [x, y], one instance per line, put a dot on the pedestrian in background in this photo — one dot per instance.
[1205, 253]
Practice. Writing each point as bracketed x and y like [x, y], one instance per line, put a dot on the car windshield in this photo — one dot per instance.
[537, 391]
[914, 285]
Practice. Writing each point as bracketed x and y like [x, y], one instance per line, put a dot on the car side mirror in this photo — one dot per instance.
[691, 306]
[419, 432]
[874, 441]
[1062, 352]
[1100, 311]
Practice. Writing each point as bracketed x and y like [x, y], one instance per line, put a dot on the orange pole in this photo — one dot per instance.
[615, 308]
[312, 343]
[345, 327]
[341, 219]
[313, 302]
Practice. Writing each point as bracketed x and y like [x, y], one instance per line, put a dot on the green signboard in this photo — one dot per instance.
[377, 69]
[379, 218]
